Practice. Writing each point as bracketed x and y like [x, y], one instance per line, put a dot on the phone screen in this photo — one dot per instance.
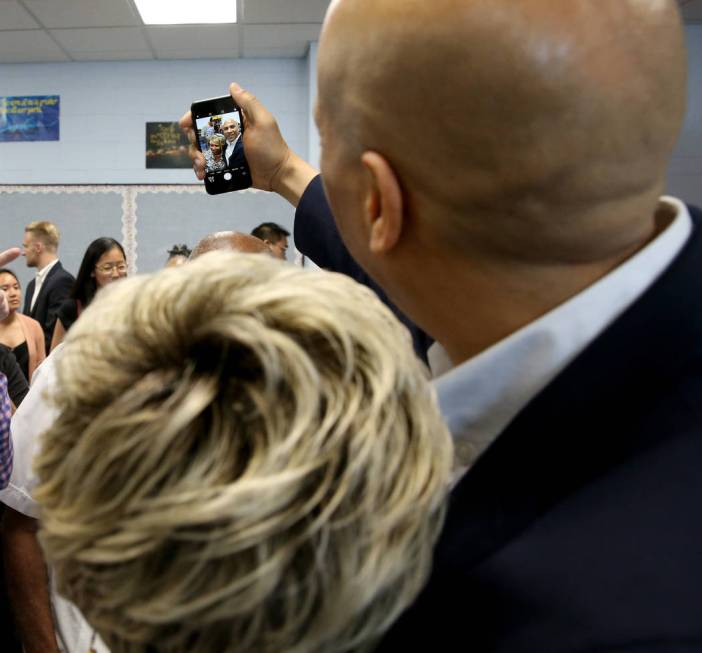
[220, 132]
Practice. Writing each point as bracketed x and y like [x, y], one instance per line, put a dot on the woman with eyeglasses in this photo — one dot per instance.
[104, 262]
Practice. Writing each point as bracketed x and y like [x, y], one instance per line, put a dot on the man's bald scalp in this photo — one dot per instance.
[233, 241]
[513, 109]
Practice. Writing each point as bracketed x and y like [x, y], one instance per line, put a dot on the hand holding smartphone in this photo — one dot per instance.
[219, 131]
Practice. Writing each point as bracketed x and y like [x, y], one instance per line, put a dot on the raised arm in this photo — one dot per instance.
[274, 166]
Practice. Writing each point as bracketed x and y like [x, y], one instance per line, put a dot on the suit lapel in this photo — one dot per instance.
[43, 290]
[591, 417]
[28, 296]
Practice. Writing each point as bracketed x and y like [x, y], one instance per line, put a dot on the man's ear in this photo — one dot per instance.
[383, 206]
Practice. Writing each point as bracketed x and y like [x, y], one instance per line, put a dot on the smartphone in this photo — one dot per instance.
[220, 137]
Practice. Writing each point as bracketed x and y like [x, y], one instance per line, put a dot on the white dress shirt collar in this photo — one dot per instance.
[480, 397]
[230, 146]
[39, 281]
[41, 274]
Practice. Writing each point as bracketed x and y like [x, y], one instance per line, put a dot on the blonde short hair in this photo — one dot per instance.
[45, 232]
[218, 139]
[249, 458]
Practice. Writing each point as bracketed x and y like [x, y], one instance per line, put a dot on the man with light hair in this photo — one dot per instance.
[243, 456]
[52, 284]
[522, 225]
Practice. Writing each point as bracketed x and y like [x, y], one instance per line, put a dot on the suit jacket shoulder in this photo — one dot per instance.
[577, 530]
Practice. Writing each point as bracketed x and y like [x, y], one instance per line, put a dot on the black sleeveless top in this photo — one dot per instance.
[68, 312]
[21, 353]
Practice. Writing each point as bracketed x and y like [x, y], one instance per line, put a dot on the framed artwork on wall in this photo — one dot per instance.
[29, 118]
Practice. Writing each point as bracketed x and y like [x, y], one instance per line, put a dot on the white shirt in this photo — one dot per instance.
[480, 397]
[39, 281]
[34, 416]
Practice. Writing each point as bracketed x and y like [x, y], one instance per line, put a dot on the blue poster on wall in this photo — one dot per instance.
[29, 118]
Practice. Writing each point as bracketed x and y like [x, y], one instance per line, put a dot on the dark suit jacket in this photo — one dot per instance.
[579, 530]
[56, 287]
[237, 159]
[317, 237]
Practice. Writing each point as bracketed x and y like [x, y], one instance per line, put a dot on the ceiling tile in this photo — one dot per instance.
[278, 40]
[27, 46]
[202, 37]
[283, 11]
[13, 16]
[108, 39]
[196, 54]
[113, 55]
[83, 13]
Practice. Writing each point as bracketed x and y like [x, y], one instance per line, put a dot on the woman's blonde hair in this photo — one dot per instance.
[218, 139]
[248, 458]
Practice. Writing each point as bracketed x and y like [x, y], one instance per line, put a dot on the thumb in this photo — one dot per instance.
[253, 110]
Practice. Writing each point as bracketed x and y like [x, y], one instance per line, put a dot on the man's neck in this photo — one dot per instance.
[470, 307]
[46, 259]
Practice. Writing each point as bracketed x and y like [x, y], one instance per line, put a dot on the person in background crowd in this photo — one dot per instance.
[52, 284]
[20, 332]
[215, 154]
[177, 255]
[5, 439]
[25, 571]
[17, 385]
[5, 406]
[45, 622]
[536, 247]
[103, 262]
[275, 236]
[230, 241]
[10, 642]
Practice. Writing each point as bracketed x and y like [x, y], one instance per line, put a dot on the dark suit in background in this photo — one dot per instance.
[56, 287]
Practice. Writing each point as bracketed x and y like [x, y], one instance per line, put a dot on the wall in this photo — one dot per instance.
[312, 133]
[105, 105]
[685, 171]
[104, 108]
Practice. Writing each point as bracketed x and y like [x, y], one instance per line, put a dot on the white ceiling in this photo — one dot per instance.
[111, 30]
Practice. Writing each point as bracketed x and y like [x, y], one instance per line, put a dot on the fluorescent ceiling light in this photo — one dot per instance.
[186, 12]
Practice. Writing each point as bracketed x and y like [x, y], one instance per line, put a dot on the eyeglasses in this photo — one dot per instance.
[107, 268]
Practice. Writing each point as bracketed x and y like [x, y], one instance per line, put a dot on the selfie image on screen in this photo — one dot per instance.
[220, 142]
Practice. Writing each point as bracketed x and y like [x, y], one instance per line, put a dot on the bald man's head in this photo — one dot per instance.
[508, 123]
[230, 241]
